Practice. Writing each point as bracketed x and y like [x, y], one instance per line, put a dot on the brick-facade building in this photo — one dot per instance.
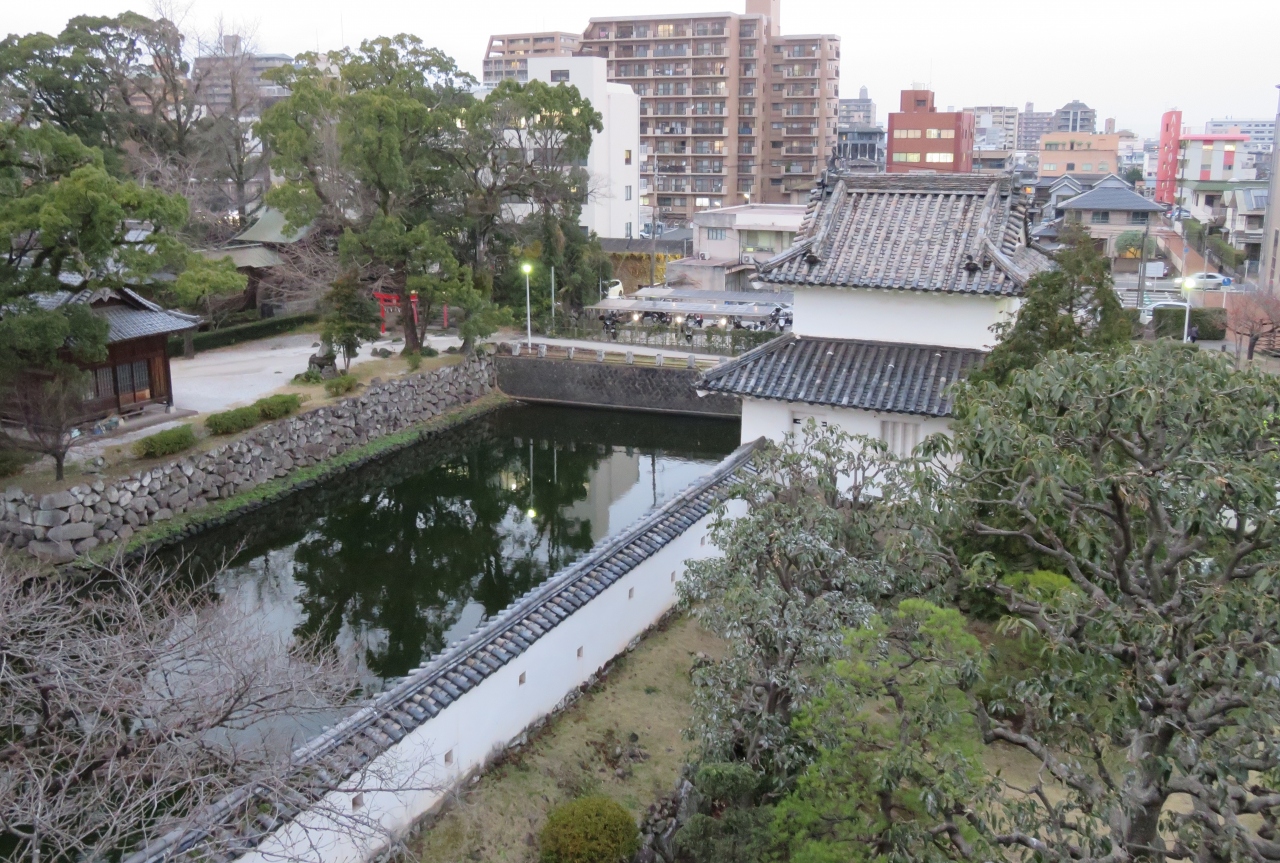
[922, 138]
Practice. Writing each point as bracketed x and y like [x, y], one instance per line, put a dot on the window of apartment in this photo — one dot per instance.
[558, 75]
[626, 157]
[1053, 146]
[627, 233]
[1100, 217]
[1071, 166]
[1102, 167]
[940, 157]
[906, 133]
[1087, 167]
[938, 133]
[666, 30]
[702, 202]
[1051, 166]
[1138, 218]
[901, 438]
[717, 233]
[906, 157]
[626, 193]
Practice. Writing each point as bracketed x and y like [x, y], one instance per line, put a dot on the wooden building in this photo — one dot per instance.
[136, 371]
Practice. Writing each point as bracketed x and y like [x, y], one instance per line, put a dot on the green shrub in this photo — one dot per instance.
[12, 461]
[1212, 323]
[165, 443]
[414, 361]
[744, 340]
[275, 407]
[232, 421]
[589, 830]
[428, 351]
[341, 385]
[310, 376]
[243, 333]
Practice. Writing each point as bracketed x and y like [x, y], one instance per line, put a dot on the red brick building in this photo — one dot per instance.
[922, 138]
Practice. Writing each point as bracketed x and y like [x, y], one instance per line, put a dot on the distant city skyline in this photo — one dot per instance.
[1125, 72]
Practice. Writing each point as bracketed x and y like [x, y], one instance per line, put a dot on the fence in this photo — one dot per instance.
[710, 340]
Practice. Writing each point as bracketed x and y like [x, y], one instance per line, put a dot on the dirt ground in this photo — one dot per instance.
[647, 694]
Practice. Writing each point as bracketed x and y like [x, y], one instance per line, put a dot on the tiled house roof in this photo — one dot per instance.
[952, 233]
[128, 315]
[873, 376]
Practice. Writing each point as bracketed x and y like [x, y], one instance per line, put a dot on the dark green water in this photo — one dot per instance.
[400, 557]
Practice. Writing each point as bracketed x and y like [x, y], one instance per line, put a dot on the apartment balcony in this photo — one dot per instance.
[715, 51]
[746, 130]
[708, 130]
[746, 167]
[709, 112]
[800, 73]
[671, 169]
[710, 71]
[789, 112]
[717, 30]
[674, 187]
[709, 90]
[799, 151]
[669, 130]
[674, 33]
[800, 131]
[707, 170]
[800, 53]
[670, 51]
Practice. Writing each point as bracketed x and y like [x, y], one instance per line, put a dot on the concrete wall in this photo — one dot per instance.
[488, 718]
[63, 524]
[774, 420]
[610, 385]
[911, 317]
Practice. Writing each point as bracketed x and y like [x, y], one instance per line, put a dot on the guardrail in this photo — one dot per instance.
[543, 350]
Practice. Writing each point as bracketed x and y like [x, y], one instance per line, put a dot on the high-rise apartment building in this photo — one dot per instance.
[1075, 116]
[731, 110]
[1031, 125]
[231, 81]
[508, 54]
[857, 112]
[995, 127]
[922, 138]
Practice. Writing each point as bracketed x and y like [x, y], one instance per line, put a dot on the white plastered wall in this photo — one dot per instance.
[775, 419]
[900, 317]
[487, 718]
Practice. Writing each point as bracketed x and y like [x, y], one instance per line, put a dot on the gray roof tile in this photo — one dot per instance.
[874, 376]
[954, 233]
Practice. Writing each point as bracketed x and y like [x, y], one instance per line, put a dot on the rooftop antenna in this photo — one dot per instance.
[342, 31]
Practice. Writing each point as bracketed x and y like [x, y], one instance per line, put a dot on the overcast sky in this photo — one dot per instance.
[1129, 60]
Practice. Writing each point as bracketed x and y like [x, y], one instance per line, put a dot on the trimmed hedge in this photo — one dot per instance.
[340, 385]
[1212, 323]
[243, 332]
[232, 421]
[239, 419]
[164, 443]
[589, 830]
[275, 407]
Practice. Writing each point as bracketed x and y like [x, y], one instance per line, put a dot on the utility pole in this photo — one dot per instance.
[1142, 265]
[553, 299]
[653, 220]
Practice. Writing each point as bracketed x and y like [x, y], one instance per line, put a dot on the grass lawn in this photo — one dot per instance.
[646, 694]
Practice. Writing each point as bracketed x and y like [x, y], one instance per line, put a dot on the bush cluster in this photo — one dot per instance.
[165, 443]
[12, 461]
[239, 419]
[242, 333]
[310, 376]
[1212, 323]
[340, 385]
[589, 830]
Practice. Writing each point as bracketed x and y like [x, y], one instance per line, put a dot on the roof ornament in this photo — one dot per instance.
[970, 265]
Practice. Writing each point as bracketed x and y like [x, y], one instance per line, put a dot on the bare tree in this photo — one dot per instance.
[135, 706]
[46, 408]
[1253, 317]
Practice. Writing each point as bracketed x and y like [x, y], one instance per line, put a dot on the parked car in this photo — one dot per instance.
[1205, 281]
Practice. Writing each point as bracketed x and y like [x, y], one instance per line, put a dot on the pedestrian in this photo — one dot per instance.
[1193, 334]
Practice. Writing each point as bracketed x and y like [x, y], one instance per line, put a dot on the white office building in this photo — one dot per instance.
[612, 208]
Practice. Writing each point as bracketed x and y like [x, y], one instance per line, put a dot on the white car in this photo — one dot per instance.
[1205, 281]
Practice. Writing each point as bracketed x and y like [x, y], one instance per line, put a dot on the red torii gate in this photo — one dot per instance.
[391, 302]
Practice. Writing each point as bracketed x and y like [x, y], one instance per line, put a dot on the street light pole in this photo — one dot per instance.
[553, 299]
[528, 306]
[1142, 265]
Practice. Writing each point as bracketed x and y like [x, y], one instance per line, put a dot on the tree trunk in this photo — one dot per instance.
[59, 458]
[412, 344]
[1253, 343]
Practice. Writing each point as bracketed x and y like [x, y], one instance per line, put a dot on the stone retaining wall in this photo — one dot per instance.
[666, 389]
[59, 526]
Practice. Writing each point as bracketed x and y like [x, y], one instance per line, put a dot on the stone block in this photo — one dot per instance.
[76, 512]
[13, 492]
[87, 545]
[105, 535]
[52, 552]
[125, 532]
[57, 500]
[162, 514]
[51, 517]
[73, 531]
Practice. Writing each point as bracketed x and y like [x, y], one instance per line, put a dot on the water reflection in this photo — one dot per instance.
[401, 557]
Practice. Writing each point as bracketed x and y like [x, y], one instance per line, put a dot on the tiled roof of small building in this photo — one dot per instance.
[128, 315]
[1111, 198]
[952, 233]
[873, 376]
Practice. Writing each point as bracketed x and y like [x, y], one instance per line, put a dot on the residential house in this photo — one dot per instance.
[136, 372]
[897, 280]
[729, 243]
[1206, 166]
[1244, 212]
[1109, 210]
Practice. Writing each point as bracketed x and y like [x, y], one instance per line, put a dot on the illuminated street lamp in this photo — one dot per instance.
[527, 268]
